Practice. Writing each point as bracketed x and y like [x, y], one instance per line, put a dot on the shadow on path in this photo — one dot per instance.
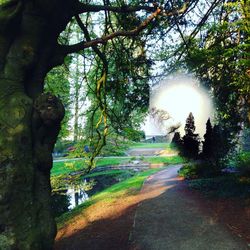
[174, 221]
[163, 216]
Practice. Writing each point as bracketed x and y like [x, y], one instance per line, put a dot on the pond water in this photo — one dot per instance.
[75, 195]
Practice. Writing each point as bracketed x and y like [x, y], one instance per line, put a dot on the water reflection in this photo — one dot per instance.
[69, 196]
[80, 191]
[76, 196]
[74, 190]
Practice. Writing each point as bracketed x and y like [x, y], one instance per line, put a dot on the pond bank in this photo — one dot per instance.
[107, 213]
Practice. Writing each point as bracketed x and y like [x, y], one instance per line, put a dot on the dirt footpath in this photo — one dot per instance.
[165, 215]
[173, 220]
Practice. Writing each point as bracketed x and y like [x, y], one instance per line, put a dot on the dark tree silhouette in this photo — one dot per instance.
[207, 148]
[221, 145]
[216, 145]
[190, 139]
[189, 126]
[177, 141]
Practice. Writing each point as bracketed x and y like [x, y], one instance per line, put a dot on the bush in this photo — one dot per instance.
[222, 186]
[61, 146]
[197, 170]
[133, 135]
[243, 163]
[114, 150]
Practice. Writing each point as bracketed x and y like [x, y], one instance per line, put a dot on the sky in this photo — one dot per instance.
[179, 95]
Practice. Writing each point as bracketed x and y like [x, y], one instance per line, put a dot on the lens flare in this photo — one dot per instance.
[179, 96]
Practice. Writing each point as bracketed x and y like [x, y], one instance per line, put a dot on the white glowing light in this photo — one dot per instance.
[179, 101]
[180, 96]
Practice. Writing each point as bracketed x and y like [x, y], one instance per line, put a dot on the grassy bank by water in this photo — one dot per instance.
[127, 187]
[65, 167]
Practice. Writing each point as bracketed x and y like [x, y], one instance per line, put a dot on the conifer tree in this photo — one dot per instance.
[190, 127]
[190, 139]
[207, 149]
[176, 141]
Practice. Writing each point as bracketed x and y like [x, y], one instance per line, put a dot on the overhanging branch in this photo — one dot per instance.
[83, 8]
[87, 44]
[88, 39]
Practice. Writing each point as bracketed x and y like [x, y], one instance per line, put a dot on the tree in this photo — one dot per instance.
[222, 145]
[31, 46]
[216, 146]
[177, 141]
[208, 142]
[190, 139]
[219, 58]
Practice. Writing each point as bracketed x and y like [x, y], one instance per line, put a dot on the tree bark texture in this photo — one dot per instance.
[29, 121]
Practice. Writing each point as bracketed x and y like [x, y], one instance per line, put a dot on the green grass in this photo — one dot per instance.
[149, 145]
[165, 159]
[127, 187]
[65, 167]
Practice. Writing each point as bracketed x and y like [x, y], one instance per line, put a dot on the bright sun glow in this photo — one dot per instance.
[180, 96]
[180, 100]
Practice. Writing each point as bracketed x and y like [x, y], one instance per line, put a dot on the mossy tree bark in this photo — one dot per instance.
[29, 121]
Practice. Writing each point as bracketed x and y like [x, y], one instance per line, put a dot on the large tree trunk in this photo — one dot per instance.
[29, 122]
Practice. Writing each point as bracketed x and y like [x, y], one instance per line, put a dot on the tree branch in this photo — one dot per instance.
[83, 45]
[95, 48]
[63, 50]
[83, 8]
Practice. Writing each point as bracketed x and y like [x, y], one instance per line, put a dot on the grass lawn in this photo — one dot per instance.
[127, 187]
[165, 159]
[65, 167]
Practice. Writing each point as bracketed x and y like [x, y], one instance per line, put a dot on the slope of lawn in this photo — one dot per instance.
[66, 167]
[129, 186]
[165, 159]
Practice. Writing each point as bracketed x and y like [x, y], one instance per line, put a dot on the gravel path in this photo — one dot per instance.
[173, 221]
[144, 151]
